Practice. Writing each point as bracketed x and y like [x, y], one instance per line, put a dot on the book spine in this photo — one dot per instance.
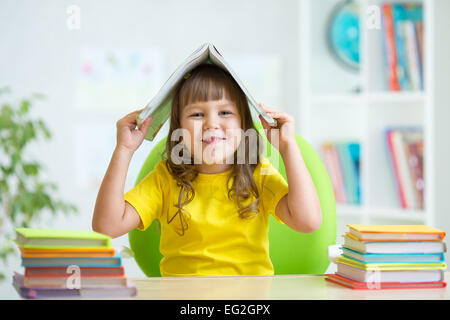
[348, 172]
[416, 179]
[395, 167]
[419, 36]
[339, 174]
[412, 54]
[390, 48]
[402, 155]
[398, 13]
[331, 169]
[354, 152]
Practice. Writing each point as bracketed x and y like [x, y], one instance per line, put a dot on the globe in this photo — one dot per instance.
[343, 33]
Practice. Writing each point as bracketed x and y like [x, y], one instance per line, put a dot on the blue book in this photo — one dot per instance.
[399, 15]
[393, 258]
[78, 261]
[350, 179]
[353, 149]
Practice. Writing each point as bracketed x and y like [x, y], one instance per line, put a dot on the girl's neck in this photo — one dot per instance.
[213, 168]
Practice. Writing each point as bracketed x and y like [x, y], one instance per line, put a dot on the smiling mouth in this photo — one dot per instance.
[213, 140]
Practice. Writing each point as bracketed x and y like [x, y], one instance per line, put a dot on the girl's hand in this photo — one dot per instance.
[285, 127]
[128, 136]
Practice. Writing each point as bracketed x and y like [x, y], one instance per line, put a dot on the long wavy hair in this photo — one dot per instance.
[208, 82]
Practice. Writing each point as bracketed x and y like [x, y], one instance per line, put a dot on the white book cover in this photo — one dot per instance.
[394, 246]
[160, 106]
[412, 54]
[389, 276]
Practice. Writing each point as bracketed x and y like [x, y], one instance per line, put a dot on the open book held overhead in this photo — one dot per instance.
[159, 107]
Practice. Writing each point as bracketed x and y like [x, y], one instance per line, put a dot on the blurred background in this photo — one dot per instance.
[366, 81]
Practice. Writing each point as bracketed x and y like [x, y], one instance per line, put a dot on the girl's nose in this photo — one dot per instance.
[211, 122]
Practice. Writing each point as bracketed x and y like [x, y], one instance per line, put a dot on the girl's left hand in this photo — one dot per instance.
[285, 127]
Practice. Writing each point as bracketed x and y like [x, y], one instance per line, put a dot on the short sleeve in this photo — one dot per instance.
[274, 188]
[147, 196]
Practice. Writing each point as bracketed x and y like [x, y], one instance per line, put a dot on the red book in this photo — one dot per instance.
[395, 165]
[390, 48]
[356, 285]
[84, 272]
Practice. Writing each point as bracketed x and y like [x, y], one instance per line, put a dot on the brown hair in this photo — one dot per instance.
[204, 83]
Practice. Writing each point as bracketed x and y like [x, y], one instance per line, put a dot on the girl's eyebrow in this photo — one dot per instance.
[197, 105]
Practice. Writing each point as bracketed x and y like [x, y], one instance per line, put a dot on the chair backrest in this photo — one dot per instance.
[291, 252]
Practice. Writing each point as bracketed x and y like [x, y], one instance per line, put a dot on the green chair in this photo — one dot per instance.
[291, 252]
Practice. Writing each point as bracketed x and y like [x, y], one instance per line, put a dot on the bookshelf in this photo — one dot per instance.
[338, 104]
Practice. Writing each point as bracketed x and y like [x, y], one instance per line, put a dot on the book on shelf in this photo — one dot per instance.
[403, 45]
[391, 257]
[405, 149]
[342, 161]
[69, 263]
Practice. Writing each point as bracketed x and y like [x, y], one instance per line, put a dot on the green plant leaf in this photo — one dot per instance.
[31, 169]
[24, 107]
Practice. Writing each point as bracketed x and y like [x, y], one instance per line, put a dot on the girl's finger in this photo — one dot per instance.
[145, 125]
[264, 122]
[279, 115]
[266, 108]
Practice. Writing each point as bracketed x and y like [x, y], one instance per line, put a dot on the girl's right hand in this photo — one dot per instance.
[128, 136]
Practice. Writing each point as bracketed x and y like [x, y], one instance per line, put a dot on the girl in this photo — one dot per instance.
[213, 204]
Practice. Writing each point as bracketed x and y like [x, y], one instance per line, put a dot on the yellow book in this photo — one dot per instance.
[68, 253]
[391, 266]
[395, 233]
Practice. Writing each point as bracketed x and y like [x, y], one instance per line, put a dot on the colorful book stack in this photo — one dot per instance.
[342, 162]
[69, 263]
[391, 257]
[405, 147]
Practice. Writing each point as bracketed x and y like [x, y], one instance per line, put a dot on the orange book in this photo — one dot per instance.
[67, 253]
[395, 233]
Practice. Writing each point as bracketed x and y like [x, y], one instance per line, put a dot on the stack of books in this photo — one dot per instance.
[69, 263]
[391, 257]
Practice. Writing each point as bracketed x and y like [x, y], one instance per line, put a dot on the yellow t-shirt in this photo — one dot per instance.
[217, 241]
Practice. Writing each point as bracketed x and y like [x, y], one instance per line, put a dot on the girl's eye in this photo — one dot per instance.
[199, 113]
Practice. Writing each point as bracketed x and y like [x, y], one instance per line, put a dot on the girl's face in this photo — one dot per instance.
[214, 129]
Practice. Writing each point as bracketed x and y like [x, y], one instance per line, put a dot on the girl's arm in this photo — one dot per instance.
[300, 208]
[112, 214]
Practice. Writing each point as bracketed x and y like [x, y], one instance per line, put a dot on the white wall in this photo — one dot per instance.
[38, 53]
